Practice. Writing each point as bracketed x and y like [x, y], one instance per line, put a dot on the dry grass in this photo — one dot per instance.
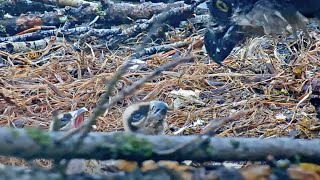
[264, 83]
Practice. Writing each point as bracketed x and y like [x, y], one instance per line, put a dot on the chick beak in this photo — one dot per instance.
[79, 117]
[159, 111]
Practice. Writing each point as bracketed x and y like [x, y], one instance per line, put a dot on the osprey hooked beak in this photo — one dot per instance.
[145, 117]
[70, 120]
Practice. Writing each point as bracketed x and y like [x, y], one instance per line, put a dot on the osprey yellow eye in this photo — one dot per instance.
[222, 6]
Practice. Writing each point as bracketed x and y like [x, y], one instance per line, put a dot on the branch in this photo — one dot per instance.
[22, 6]
[127, 12]
[72, 3]
[171, 16]
[35, 143]
[65, 32]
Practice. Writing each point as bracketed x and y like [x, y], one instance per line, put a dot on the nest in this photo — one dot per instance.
[272, 80]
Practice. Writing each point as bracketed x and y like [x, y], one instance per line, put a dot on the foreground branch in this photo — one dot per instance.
[33, 143]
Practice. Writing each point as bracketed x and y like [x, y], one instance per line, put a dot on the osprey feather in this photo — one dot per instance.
[69, 120]
[234, 20]
[145, 117]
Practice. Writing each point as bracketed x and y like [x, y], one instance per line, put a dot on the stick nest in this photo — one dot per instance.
[272, 81]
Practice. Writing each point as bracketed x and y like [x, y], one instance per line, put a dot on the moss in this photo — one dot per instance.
[39, 136]
[209, 149]
[63, 19]
[100, 12]
[15, 133]
[130, 144]
[235, 144]
[106, 149]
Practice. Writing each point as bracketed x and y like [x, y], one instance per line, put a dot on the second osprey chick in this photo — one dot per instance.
[146, 118]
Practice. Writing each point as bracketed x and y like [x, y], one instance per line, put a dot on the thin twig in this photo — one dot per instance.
[296, 107]
[215, 124]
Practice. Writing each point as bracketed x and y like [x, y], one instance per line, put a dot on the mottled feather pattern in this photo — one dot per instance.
[242, 19]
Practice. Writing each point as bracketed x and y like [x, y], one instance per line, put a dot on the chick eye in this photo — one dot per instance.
[222, 6]
[137, 117]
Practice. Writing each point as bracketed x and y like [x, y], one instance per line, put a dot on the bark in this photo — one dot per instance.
[27, 46]
[33, 143]
[127, 12]
[173, 16]
[114, 13]
[63, 3]
[156, 49]
[18, 7]
[55, 18]
[102, 33]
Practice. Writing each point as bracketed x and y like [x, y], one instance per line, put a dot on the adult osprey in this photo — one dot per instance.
[234, 20]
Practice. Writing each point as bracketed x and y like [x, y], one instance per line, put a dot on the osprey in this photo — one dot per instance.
[234, 20]
[145, 117]
[68, 121]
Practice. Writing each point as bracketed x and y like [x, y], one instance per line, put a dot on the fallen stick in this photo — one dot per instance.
[34, 143]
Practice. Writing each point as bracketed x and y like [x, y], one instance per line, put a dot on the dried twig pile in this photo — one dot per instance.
[46, 68]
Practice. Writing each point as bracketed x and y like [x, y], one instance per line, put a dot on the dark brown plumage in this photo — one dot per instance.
[234, 20]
